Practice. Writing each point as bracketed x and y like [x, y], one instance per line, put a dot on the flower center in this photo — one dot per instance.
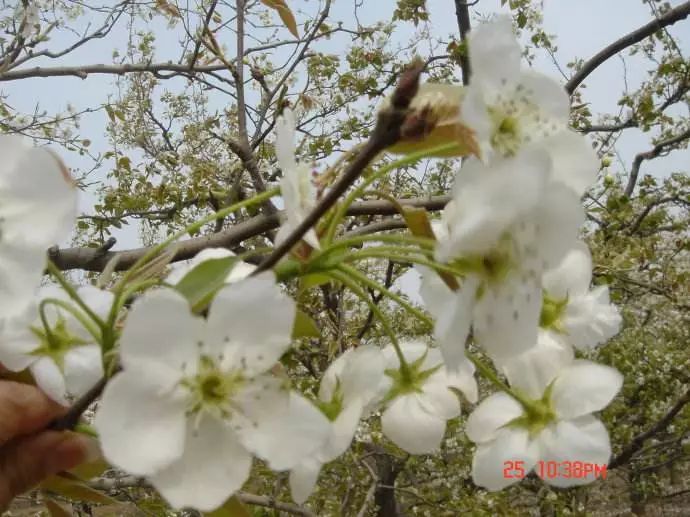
[506, 137]
[552, 311]
[537, 415]
[56, 341]
[212, 389]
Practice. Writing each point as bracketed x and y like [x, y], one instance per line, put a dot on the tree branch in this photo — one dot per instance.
[386, 133]
[462, 12]
[672, 16]
[94, 259]
[638, 441]
[650, 155]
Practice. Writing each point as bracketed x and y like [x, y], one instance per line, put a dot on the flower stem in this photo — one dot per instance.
[72, 292]
[86, 323]
[359, 292]
[489, 374]
[411, 158]
[364, 279]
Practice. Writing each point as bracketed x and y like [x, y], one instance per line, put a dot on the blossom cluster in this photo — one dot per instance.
[198, 391]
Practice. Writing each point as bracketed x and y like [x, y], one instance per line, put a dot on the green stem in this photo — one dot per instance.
[364, 279]
[411, 240]
[197, 226]
[407, 160]
[86, 323]
[489, 374]
[359, 292]
[72, 292]
[373, 253]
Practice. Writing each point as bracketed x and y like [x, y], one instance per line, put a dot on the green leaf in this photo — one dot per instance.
[72, 487]
[110, 112]
[285, 14]
[232, 508]
[313, 280]
[55, 509]
[304, 326]
[204, 280]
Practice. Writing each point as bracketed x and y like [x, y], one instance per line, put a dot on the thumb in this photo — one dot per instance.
[26, 462]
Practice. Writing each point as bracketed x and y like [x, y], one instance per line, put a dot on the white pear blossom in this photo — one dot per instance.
[37, 210]
[348, 389]
[557, 425]
[195, 398]
[65, 360]
[416, 409]
[239, 270]
[297, 188]
[582, 317]
[510, 109]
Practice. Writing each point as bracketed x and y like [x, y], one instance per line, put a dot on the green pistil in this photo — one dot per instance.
[506, 137]
[212, 389]
[552, 311]
[537, 415]
[56, 342]
[410, 379]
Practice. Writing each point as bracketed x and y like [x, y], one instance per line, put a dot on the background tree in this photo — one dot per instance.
[186, 127]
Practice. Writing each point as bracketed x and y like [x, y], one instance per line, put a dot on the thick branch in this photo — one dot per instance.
[93, 259]
[650, 155]
[674, 15]
[639, 440]
[462, 12]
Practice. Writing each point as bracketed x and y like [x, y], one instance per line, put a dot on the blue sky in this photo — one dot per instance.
[582, 27]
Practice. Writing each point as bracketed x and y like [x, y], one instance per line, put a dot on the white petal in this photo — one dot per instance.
[240, 271]
[409, 425]
[268, 411]
[213, 467]
[490, 415]
[21, 268]
[462, 378]
[533, 370]
[494, 464]
[559, 219]
[549, 96]
[161, 335]
[251, 322]
[83, 368]
[37, 200]
[437, 398]
[582, 443]
[486, 204]
[506, 316]
[584, 387]
[575, 163]
[50, 379]
[590, 319]
[303, 480]
[18, 341]
[98, 300]
[140, 431]
[573, 275]
[359, 370]
[453, 323]
[180, 270]
[494, 52]
[285, 140]
[342, 432]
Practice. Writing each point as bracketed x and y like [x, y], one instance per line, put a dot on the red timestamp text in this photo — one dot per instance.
[555, 469]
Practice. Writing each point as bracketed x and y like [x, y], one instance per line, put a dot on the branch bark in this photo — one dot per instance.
[95, 259]
[637, 442]
[674, 15]
[462, 12]
[650, 155]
